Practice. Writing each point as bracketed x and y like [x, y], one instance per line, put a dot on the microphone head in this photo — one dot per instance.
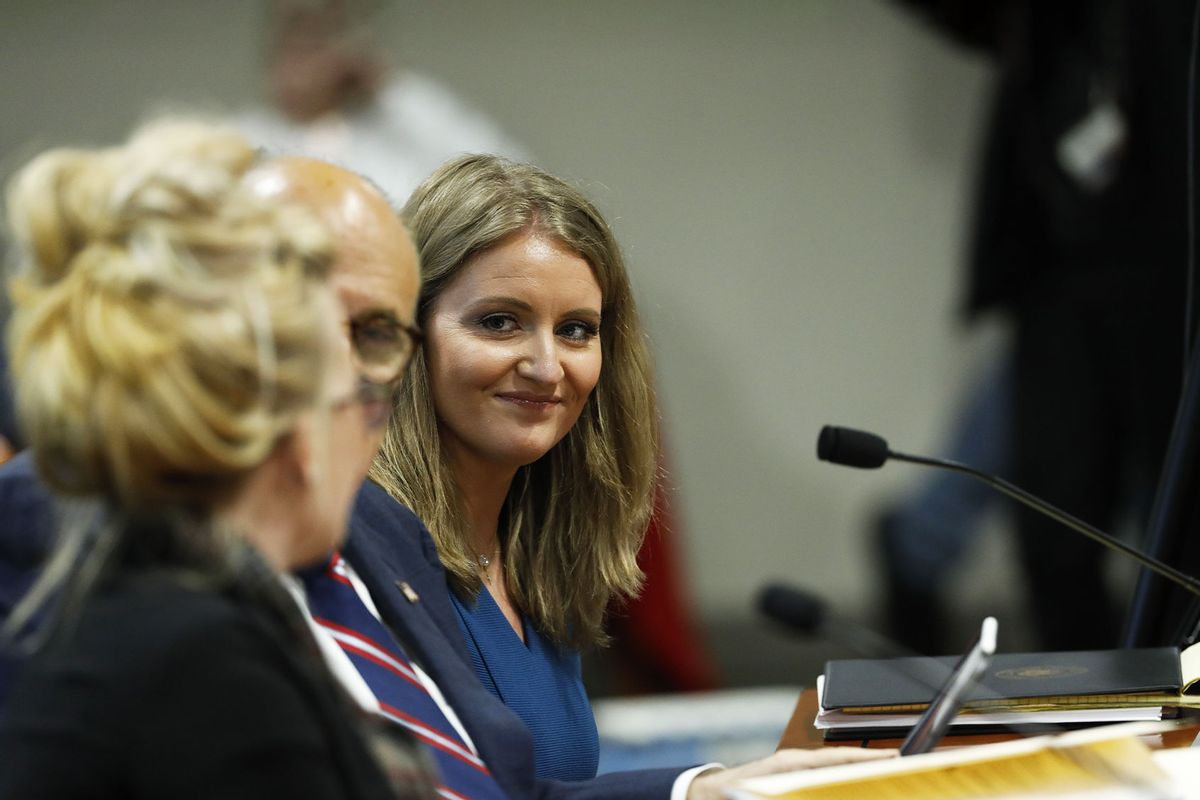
[852, 448]
[797, 609]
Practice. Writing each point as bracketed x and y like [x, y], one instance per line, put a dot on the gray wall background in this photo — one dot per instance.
[790, 179]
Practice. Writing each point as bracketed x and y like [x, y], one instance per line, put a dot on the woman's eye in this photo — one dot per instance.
[578, 331]
[498, 323]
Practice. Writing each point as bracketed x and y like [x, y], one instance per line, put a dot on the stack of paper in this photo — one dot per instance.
[884, 697]
[860, 724]
[1109, 762]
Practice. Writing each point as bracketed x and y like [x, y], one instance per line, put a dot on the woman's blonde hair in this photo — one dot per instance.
[575, 519]
[165, 334]
[164, 330]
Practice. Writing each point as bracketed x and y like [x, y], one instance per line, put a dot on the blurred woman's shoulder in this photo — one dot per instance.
[149, 681]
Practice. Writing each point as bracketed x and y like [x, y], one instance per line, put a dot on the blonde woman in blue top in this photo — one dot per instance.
[525, 433]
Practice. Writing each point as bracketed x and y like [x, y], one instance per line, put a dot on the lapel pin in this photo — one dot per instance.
[409, 593]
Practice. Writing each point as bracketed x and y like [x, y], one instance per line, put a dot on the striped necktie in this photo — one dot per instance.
[402, 695]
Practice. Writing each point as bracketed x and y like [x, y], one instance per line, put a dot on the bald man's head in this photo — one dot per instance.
[376, 262]
[375, 272]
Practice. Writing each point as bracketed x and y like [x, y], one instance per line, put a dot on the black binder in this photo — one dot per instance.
[909, 684]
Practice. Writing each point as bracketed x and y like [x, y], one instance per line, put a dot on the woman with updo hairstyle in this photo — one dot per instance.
[525, 434]
[180, 379]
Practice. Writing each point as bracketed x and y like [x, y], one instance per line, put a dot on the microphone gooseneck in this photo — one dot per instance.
[853, 448]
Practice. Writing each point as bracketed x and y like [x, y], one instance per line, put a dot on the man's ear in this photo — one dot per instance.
[299, 451]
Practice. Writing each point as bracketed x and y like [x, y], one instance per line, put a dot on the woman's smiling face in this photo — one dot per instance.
[513, 348]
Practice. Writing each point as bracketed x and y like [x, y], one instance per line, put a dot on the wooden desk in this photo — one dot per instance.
[801, 733]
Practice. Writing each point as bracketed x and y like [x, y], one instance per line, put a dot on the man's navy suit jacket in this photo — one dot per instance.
[388, 547]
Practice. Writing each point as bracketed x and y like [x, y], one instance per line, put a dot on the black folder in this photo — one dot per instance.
[909, 684]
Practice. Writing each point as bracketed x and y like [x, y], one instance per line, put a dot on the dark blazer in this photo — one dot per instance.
[158, 690]
[388, 547]
[27, 520]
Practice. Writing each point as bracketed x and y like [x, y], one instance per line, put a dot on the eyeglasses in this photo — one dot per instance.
[384, 345]
[375, 399]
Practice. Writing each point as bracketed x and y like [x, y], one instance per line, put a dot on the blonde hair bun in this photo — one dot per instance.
[68, 200]
[164, 328]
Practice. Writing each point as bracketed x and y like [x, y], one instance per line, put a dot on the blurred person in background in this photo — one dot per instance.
[1079, 237]
[179, 370]
[334, 97]
[924, 536]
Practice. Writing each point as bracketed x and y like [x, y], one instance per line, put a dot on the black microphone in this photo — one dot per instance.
[793, 608]
[852, 448]
[805, 613]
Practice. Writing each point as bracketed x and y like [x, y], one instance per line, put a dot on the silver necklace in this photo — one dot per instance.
[484, 562]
